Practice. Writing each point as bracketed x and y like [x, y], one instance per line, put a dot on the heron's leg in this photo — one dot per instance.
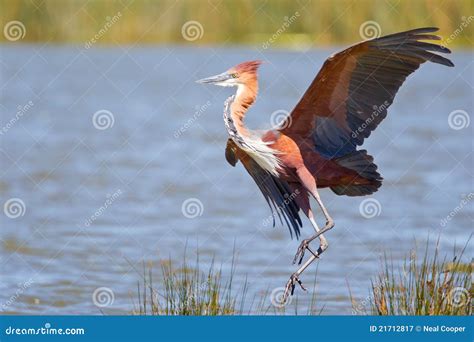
[329, 220]
[323, 243]
[294, 278]
[309, 182]
[303, 203]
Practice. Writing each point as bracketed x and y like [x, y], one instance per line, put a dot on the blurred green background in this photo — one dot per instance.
[321, 22]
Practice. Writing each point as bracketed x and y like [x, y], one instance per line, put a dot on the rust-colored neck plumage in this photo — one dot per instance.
[245, 97]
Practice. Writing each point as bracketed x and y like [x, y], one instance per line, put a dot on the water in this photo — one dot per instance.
[167, 144]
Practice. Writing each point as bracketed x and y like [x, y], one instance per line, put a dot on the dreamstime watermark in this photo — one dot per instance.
[109, 22]
[287, 21]
[465, 22]
[200, 110]
[103, 119]
[14, 208]
[280, 119]
[377, 110]
[361, 307]
[192, 30]
[288, 199]
[370, 208]
[22, 287]
[111, 198]
[277, 298]
[369, 30]
[46, 330]
[103, 297]
[457, 209]
[21, 110]
[193, 297]
[192, 208]
[458, 119]
[14, 30]
[459, 297]
[407, 268]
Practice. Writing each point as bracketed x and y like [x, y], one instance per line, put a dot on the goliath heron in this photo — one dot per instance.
[316, 145]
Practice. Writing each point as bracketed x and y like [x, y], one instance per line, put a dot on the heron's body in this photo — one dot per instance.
[317, 145]
[289, 155]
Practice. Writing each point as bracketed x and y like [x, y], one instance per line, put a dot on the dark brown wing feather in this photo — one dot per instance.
[276, 192]
[350, 95]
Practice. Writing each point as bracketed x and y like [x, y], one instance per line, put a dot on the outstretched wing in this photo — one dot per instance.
[351, 93]
[276, 192]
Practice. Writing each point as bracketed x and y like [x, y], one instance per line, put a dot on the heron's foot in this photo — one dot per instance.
[304, 245]
[290, 286]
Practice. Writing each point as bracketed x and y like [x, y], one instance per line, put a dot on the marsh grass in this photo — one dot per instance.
[428, 286]
[191, 289]
[187, 290]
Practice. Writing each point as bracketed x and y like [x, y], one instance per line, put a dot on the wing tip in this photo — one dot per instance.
[443, 49]
[449, 63]
[429, 29]
[417, 36]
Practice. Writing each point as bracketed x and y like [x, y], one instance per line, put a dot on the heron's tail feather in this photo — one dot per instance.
[364, 165]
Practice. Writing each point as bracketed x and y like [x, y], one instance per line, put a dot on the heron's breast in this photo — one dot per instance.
[286, 148]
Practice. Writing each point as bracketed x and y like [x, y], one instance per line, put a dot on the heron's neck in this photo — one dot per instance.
[234, 113]
[244, 98]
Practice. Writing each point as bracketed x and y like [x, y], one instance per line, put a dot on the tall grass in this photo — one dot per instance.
[185, 289]
[430, 286]
[238, 21]
[188, 290]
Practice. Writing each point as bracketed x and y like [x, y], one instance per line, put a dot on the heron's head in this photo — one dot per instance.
[241, 74]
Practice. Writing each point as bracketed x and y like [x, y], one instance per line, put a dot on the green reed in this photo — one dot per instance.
[428, 286]
[191, 289]
[187, 290]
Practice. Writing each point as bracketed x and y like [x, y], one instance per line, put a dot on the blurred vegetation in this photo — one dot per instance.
[320, 22]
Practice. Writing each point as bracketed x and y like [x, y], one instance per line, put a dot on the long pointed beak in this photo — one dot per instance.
[215, 79]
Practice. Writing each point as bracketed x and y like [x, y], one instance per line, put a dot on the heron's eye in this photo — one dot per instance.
[233, 75]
